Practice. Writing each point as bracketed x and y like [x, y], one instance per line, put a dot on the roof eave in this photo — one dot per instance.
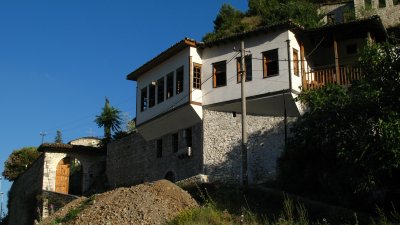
[286, 25]
[173, 50]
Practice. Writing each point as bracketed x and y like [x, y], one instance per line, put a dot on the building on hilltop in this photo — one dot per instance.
[58, 176]
[188, 100]
[345, 11]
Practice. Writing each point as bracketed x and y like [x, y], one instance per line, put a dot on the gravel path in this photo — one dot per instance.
[150, 203]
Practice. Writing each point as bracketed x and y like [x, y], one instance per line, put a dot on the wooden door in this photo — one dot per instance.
[62, 176]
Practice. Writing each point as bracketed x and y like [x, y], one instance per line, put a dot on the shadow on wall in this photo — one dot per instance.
[264, 146]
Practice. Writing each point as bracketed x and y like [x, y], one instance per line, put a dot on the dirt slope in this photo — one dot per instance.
[152, 203]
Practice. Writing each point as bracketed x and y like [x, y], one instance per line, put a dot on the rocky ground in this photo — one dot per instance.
[150, 203]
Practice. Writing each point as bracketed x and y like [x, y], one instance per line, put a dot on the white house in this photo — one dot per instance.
[188, 98]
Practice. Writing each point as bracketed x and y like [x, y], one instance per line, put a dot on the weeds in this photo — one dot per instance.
[210, 213]
[73, 213]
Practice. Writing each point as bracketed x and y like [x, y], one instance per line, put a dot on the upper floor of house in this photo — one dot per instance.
[283, 58]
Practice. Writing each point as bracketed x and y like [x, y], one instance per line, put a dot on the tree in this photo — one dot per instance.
[58, 138]
[263, 12]
[19, 161]
[273, 11]
[109, 119]
[227, 22]
[347, 146]
[131, 126]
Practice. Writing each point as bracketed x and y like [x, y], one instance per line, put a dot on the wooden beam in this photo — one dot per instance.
[303, 70]
[335, 49]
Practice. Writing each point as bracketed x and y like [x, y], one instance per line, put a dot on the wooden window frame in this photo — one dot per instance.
[197, 76]
[248, 68]
[267, 62]
[296, 67]
[219, 73]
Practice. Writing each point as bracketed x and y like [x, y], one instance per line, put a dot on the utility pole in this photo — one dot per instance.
[1, 204]
[43, 134]
[244, 122]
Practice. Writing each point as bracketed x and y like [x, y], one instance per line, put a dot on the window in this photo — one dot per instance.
[179, 80]
[143, 99]
[219, 74]
[188, 137]
[368, 4]
[296, 70]
[152, 95]
[175, 142]
[160, 90]
[159, 148]
[351, 49]
[382, 3]
[248, 69]
[197, 76]
[170, 85]
[330, 17]
[270, 63]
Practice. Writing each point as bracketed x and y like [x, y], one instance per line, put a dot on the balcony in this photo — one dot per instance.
[320, 77]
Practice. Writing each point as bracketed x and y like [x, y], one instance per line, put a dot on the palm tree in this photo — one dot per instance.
[109, 119]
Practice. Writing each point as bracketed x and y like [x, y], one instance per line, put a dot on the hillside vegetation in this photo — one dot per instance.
[346, 147]
[263, 12]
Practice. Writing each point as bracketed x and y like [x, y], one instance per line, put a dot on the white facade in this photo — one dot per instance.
[259, 85]
[290, 51]
[205, 57]
[161, 71]
[168, 69]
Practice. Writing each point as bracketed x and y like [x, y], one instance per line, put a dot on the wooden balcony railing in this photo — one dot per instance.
[318, 78]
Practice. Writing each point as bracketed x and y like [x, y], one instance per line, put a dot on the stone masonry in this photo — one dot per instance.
[23, 195]
[215, 152]
[133, 160]
[389, 13]
[89, 164]
[27, 201]
[222, 146]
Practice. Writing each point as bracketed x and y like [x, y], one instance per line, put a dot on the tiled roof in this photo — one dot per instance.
[287, 25]
[56, 147]
[171, 51]
[373, 22]
[336, 2]
[352, 28]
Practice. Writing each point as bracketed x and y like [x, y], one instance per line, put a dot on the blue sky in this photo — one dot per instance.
[59, 59]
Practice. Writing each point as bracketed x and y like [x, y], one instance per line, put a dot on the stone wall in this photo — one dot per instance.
[53, 201]
[222, 146]
[23, 195]
[338, 11]
[390, 13]
[132, 160]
